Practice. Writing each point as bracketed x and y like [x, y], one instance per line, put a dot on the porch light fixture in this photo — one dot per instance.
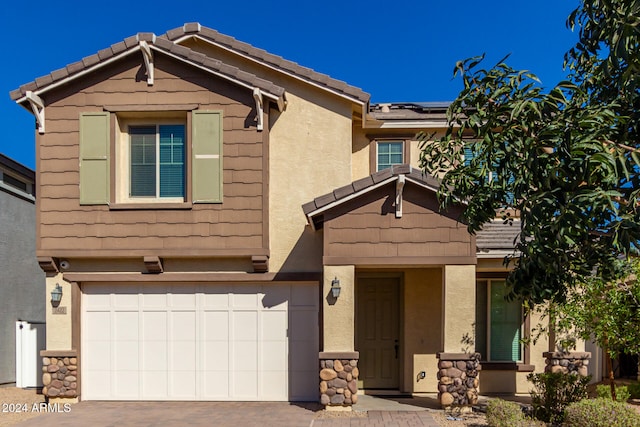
[335, 287]
[56, 295]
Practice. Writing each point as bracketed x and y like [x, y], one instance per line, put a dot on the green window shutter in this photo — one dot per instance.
[94, 158]
[207, 156]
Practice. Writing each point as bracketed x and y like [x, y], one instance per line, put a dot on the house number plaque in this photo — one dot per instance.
[59, 310]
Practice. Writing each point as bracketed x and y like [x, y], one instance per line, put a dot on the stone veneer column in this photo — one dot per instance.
[60, 373]
[567, 362]
[339, 378]
[458, 380]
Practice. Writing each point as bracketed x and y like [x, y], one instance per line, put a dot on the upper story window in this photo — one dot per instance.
[389, 153]
[142, 159]
[157, 161]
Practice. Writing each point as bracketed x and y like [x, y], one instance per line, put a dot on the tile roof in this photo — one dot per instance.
[275, 61]
[364, 184]
[131, 44]
[409, 111]
[498, 235]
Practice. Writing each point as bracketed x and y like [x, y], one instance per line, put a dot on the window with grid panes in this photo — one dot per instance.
[390, 153]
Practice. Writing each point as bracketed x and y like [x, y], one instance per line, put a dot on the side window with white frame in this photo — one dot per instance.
[389, 153]
[498, 327]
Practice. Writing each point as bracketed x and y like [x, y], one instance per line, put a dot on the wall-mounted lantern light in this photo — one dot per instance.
[56, 295]
[335, 287]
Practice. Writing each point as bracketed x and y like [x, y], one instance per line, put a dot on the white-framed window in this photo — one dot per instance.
[499, 323]
[151, 159]
[389, 153]
[157, 161]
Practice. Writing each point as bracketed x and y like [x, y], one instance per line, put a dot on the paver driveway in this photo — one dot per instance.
[236, 414]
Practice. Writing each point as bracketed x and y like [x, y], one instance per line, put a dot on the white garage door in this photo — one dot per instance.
[199, 342]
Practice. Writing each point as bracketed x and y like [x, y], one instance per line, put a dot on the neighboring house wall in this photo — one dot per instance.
[22, 281]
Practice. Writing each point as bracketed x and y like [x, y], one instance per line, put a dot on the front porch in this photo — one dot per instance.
[407, 279]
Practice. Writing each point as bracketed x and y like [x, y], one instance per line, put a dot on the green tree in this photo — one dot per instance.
[566, 160]
[607, 312]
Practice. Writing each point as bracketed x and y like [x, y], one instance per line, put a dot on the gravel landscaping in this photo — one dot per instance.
[17, 405]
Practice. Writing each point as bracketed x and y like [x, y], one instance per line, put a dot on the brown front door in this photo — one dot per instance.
[378, 332]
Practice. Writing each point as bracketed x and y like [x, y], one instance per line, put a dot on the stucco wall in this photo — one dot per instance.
[59, 325]
[339, 313]
[21, 281]
[459, 302]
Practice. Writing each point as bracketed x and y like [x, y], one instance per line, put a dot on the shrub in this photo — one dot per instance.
[634, 390]
[604, 391]
[501, 413]
[554, 392]
[601, 412]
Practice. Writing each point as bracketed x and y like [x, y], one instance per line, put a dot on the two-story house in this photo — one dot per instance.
[225, 224]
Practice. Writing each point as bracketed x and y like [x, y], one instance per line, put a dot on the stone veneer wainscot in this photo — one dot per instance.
[59, 373]
[339, 378]
[575, 362]
[458, 379]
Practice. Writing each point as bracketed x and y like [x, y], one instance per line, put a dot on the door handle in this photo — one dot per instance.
[396, 347]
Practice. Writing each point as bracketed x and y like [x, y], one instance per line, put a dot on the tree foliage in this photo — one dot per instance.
[605, 312]
[566, 160]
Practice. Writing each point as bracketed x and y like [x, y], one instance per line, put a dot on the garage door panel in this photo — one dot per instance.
[154, 355]
[216, 385]
[126, 384]
[299, 326]
[125, 356]
[183, 384]
[245, 297]
[216, 356]
[274, 356]
[244, 384]
[200, 342]
[154, 326]
[99, 323]
[183, 356]
[303, 357]
[303, 385]
[274, 385]
[245, 355]
[244, 326]
[154, 296]
[125, 326]
[126, 299]
[154, 385]
[275, 297]
[182, 297]
[304, 296]
[274, 325]
[183, 326]
[97, 384]
[215, 325]
[98, 355]
[218, 297]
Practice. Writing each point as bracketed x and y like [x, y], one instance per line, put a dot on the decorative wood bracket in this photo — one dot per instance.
[260, 263]
[37, 105]
[399, 187]
[257, 95]
[153, 264]
[48, 264]
[148, 60]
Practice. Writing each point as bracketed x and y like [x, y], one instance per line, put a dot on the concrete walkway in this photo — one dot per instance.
[370, 411]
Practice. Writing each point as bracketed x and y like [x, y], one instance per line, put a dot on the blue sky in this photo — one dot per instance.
[396, 50]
